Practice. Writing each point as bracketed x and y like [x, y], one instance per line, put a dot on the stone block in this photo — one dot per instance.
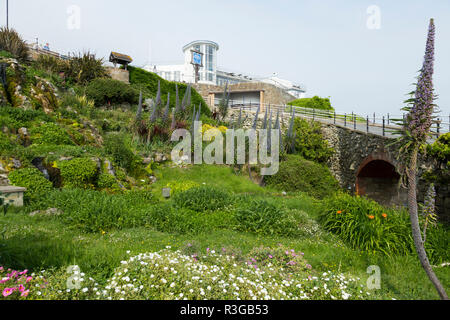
[14, 194]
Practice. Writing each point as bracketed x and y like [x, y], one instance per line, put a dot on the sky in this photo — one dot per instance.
[364, 55]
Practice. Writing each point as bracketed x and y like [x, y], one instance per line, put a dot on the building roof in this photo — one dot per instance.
[200, 42]
[119, 58]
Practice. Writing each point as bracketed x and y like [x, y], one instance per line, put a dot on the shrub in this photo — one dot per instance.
[202, 199]
[33, 180]
[259, 216]
[298, 174]
[50, 134]
[78, 173]
[366, 225]
[108, 182]
[5, 143]
[118, 147]
[109, 91]
[51, 64]
[11, 41]
[440, 149]
[148, 82]
[15, 118]
[313, 103]
[309, 141]
[181, 186]
[85, 67]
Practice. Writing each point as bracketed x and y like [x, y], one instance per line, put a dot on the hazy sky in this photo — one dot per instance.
[323, 44]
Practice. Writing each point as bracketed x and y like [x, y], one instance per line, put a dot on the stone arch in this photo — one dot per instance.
[377, 178]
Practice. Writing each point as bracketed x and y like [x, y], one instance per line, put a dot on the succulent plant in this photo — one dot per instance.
[139, 110]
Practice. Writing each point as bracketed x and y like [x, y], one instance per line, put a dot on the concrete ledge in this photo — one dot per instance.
[12, 193]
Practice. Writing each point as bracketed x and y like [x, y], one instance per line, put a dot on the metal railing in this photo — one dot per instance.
[383, 125]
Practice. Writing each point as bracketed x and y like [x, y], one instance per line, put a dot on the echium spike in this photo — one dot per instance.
[239, 122]
[255, 121]
[265, 119]
[154, 112]
[139, 110]
[158, 94]
[174, 122]
[188, 102]
[421, 115]
[197, 118]
[185, 99]
[166, 111]
[177, 99]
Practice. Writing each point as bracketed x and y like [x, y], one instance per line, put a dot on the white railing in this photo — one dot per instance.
[378, 124]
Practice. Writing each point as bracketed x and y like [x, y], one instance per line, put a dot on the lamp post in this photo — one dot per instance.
[7, 14]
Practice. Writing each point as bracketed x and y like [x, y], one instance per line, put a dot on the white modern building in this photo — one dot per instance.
[209, 74]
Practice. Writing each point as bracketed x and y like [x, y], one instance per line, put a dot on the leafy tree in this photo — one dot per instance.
[309, 142]
[313, 103]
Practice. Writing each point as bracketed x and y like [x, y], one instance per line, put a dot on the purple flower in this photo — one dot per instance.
[420, 116]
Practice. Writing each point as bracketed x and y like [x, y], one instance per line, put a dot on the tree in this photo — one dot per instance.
[416, 130]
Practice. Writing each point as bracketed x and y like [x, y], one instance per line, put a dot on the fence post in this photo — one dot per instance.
[388, 118]
[345, 120]
[367, 124]
[383, 127]
[374, 117]
[354, 122]
[314, 114]
[438, 126]
[335, 117]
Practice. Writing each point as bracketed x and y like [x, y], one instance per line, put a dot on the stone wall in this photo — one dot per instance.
[271, 94]
[119, 74]
[354, 150]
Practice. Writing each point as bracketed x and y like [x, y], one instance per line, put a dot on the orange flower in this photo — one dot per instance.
[371, 217]
[384, 215]
[339, 212]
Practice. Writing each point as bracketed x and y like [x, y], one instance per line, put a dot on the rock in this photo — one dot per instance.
[23, 132]
[65, 158]
[159, 157]
[147, 161]
[48, 213]
[17, 164]
[4, 181]
[110, 168]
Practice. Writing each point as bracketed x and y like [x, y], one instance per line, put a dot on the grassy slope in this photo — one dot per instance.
[28, 242]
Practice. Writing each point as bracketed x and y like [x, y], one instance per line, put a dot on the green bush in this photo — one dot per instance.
[33, 180]
[84, 67]
[440, 149]
[313, 103]
[15, 118]
[117, 145]
[202, 199]
[309, 141]
[5, 143]
[108, 182]
[78, 173]
[50, 134]
[366, 225]
[259, 216]
[148, 82]
[109, 91]
[11, 42]
[298, 174]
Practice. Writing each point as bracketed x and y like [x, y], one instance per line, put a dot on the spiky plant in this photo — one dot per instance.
[291, 135]
[139, 110]
[11, 41]
[255, 121]
[416, 130]
[85, 67]
[165, 116]
[158, 94]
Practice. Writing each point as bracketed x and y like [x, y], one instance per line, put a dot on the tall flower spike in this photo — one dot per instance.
[158, 94]
[139, 110]
[255, 121]
[421, 115]
[166, 111]
[177, 99]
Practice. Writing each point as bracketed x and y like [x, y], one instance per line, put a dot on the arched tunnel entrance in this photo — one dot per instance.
[379, 180]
